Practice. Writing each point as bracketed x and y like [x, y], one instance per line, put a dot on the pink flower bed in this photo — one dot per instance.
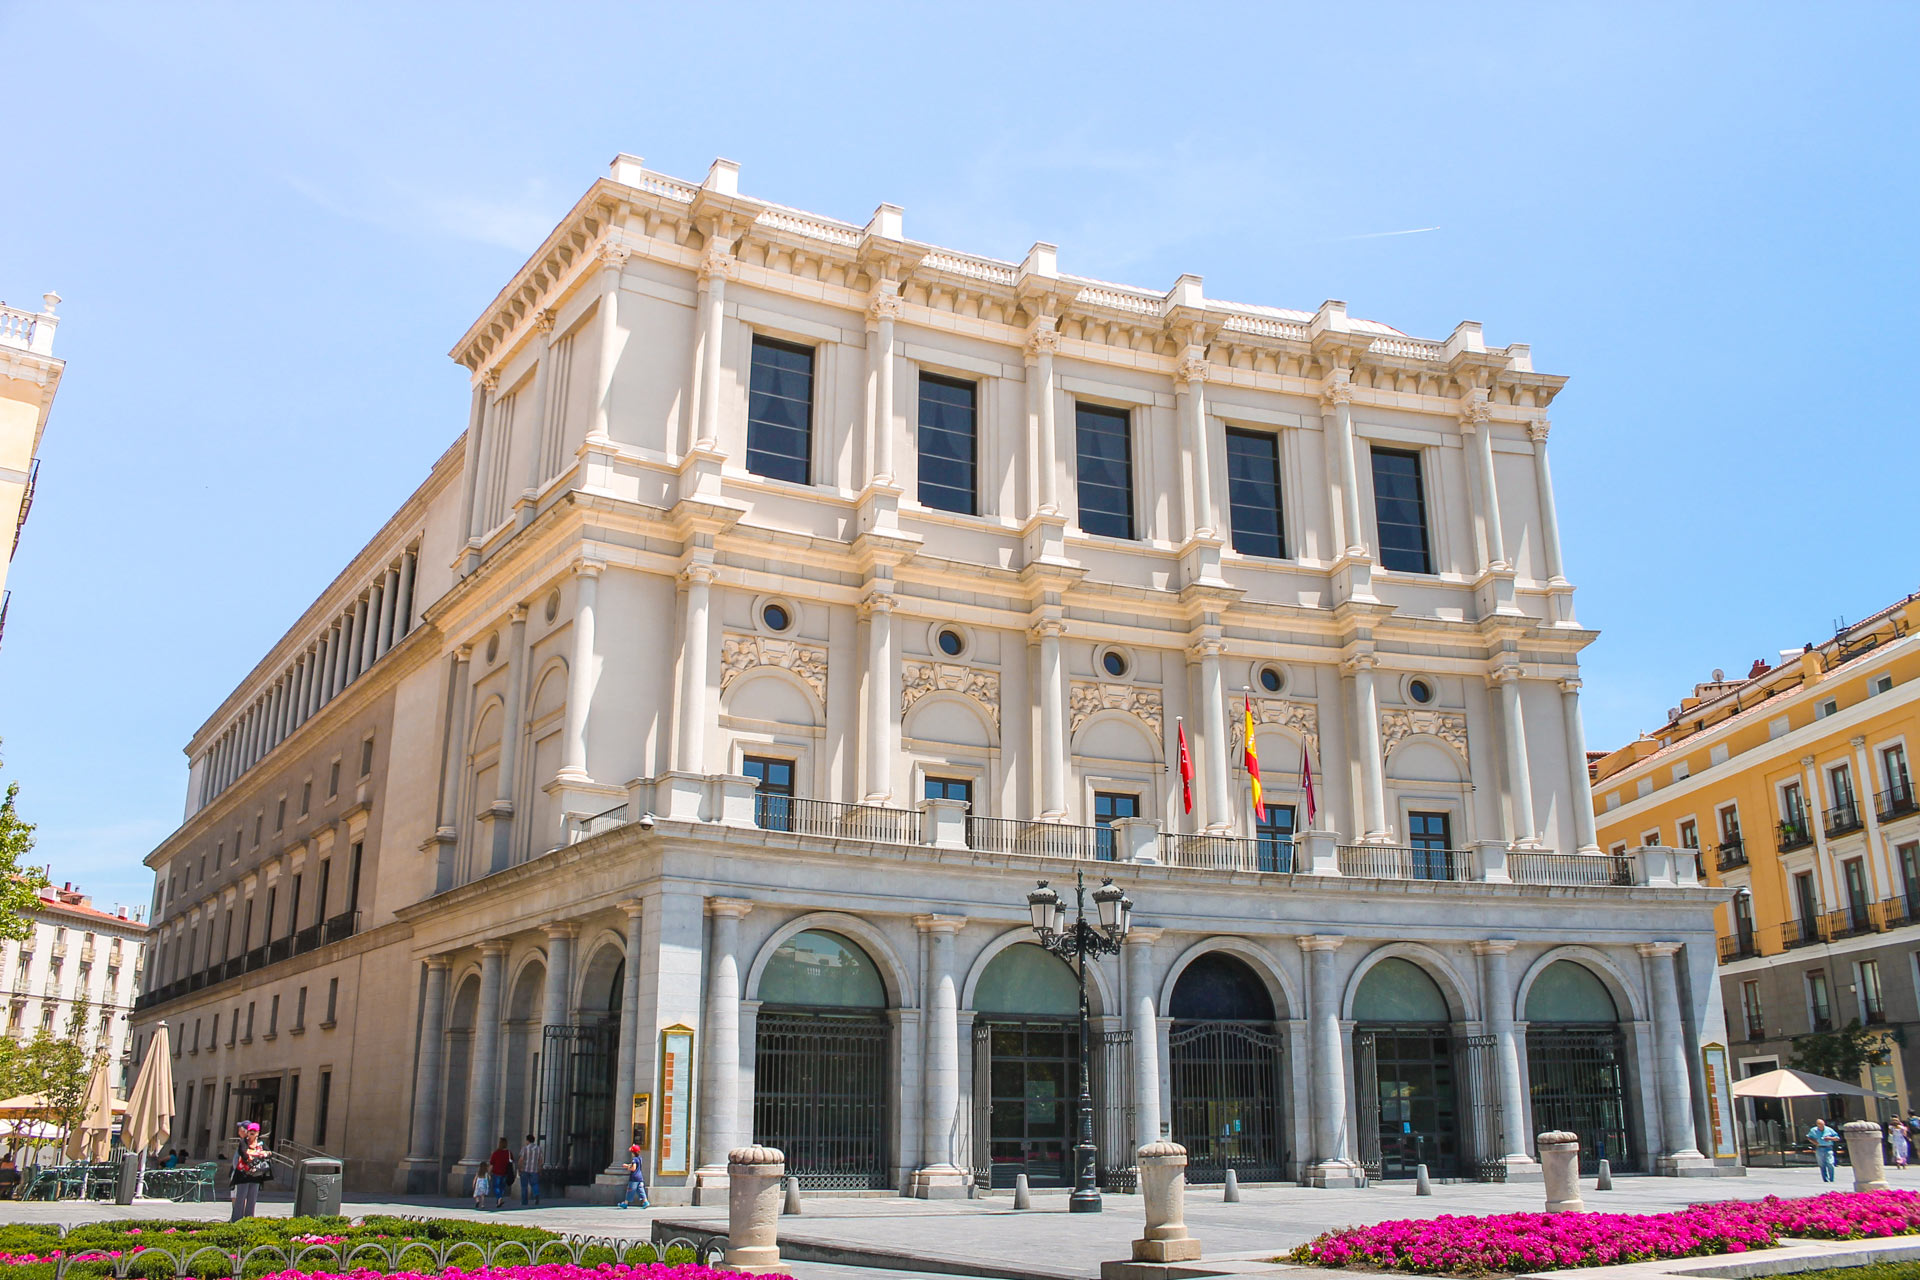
[1543, 1241]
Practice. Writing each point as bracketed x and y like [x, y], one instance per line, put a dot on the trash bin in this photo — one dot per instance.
[316, 1188]
[129, 1184]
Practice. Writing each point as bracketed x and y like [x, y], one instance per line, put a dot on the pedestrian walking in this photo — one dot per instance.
[1902, 1145]
[500, 1168]
[1825, 1140]
[532, 1160]
[482, 1183]
[252, 1165]
[636, 1181]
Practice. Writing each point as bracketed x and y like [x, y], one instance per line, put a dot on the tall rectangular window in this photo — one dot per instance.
[1253, 494]
[333, 999]
[949, 447]
[1873, 1005]
[1819, 1001]
[1274, 836]
[1750, 1003]
[773, 802]
[780, 411]
[320, 1108]
[293, 1104]
[1109, 807]
[1431, 838]
[1400, 505]
[1103, 463]
[960, 789]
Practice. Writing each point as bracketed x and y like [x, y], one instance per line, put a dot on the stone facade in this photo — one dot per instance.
[797, 596]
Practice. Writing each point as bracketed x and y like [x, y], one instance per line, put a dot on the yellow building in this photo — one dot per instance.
[29, 378]
[1794, 783]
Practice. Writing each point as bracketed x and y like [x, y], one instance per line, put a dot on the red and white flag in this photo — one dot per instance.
[1306, 784]
[1186, 769]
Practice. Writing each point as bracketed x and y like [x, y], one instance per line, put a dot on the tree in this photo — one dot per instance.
[1842, 1054]
[20, 884]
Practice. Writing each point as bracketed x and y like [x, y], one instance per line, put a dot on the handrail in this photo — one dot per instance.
[1526, 866]
[1896, 801]
[1404, 862]
[1228, 853]
[1842, 818]
[836, 820]
[1040, 839]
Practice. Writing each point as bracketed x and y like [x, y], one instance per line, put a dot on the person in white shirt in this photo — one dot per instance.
[533, 1160]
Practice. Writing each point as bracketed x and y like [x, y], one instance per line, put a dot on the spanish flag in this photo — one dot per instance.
[1253, 764]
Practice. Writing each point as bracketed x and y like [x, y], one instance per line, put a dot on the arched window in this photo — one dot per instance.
[1569, 992]
[822, 970]
[1398, 990]
[1024, 979]
[1220, 987]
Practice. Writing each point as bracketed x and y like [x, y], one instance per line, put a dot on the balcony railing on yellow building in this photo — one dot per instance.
[1842, 819]
[1853, 921]
[1896, 801]
[1731, 853]
[1793, 834]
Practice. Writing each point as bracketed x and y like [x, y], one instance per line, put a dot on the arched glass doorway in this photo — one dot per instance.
[578, 1062]
[1224, 1060]
[1576, 1064]
[820, 1074]
[1404, 1070]
[1026, 1072]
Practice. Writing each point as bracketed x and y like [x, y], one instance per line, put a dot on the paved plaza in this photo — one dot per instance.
[987, 1236]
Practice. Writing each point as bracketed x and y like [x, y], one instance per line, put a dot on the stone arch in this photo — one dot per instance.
[1102, 1000]
[488, 724]
[521, 982]
[1426, 757]
[1457, 991]
[1116, 735]
[893, 973]
[950, 718]
[522, 1022]
[549, 690]
[1626, 996]
[779, 696]
[463, 1008]
[1279, 986]
[602, 956]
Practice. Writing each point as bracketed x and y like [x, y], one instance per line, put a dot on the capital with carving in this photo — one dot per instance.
[491, 379]
[562, 929]
[1320, 941]
[1859, 741]
[1495, 946]
[1359, 662]
[1338, 388]
[717, 265]
[613, 253]
[543, 320]
[1043, 339]
[1508, 673]
[589, 568]
[1049, 629]
[1208, 647]
[876, 602]
[1570, 684]
[463, 653]
[1474, 410]
[1806, 762]
[1656, 948]
[519, 615]
[698, 574]
[1193, 364]
[939, 923]
[886, 303]
[730, 908]
[1537, 430]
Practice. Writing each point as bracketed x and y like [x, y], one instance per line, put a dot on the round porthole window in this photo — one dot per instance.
[553, 606]
[493, 646]
[1114, 663]
[951, 642]
[776, 617]
[1419, 691]
[1272, 679]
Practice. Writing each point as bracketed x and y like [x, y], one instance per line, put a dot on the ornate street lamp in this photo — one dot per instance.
[1077, 942]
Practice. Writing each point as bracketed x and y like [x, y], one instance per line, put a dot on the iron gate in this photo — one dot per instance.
[981, 1116]
[1483, 1138]
[820, 1095]
[1366, 1082]
[1577, 1081]
[1227, 1100]
[1113, 1109]
[576, 1099]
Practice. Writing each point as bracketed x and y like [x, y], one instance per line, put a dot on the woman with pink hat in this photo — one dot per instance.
[252, 1165]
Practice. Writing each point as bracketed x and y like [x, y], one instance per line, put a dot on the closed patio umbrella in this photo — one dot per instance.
[149, 1122]
[92, 1138]
[1785, 1082]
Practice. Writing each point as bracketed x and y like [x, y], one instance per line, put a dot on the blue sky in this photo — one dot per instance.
[271, 222]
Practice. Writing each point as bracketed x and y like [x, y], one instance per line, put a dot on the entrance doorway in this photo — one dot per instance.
[1227, 1086]
[260, 1104]
[1033, 1087]
[1425, 1097]
[822, 1045]
[1576, 1064]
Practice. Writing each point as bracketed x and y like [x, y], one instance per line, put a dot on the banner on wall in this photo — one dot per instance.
[676, 1101]
[1719, 1102]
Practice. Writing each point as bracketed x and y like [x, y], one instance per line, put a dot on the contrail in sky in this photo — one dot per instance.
[1377, 235]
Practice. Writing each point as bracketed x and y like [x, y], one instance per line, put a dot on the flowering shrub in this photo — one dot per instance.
[1458, 1245]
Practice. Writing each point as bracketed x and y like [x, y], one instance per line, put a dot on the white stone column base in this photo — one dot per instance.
[1336, 1173]
[1687, 1164]
[938, 1182]
[420, 1176]
[1522, 1168]
[711, 1184]
[460, 1178]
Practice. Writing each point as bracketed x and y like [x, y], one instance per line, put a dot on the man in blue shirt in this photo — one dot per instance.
[1825, 1141]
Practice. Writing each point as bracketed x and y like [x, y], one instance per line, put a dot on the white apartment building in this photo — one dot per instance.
[77, 955]
[676, 762]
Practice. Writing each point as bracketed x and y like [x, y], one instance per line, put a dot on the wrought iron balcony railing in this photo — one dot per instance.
[1843, 818]
[1896, 801]
[1404, 862]
[1228, 853]
[1793, 834]
[1732, 852]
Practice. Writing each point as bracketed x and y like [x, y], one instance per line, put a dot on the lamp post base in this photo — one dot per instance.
[1086, 1182]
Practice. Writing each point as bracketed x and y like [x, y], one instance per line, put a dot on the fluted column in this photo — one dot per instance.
[1053, 723]
[623, 1059]
[1189, 389]
[1549, 517]
[458, 696]
[1041, 344]
[302, 674]
[403, 618]
[1213, 723]
[356, 657]
[1477, 426]
[483, 1080]
[318, 698]
[539, 423]
[1339, 397]
[1498, 976]
[1373, 779]
[389, 593]
[580, 674]
[376, 605]
[613, 259]
[1144, 1026]
[1331, 1166]
[939, 1175]
[876, 738]
[1585, 837]
[510, 735]
[423, 1143]
[1670, 1047]
[882, 312]
[689, 738]
[1519, 775]
[714, 270]
[720, 1107]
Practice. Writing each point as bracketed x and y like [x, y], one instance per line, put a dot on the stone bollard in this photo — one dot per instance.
[1560, 1166]
[792, 1206]
[1863, 1149]
[1604, 1182]
[1422, 1184]
[1022, 1194]
[1163, 1186]
[1230, 1194]
[754, 1177]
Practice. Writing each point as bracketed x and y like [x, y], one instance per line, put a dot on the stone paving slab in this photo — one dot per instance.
[1046, 1242]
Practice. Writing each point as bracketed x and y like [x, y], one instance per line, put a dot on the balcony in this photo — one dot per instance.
[1040, 839]
[1847, 922]
[834, 820]
[1403, 862]
[1228, 853]
[1800, 933]
[1732, 852]
[1896, 801]
[1740, 946]
[1842, 819]
[342, 926]
[1792, 834]
[1526, 867]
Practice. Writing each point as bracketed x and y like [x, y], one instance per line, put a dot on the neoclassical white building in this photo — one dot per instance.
[675, 763]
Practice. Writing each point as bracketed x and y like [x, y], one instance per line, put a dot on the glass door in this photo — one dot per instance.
[1035, 1083]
